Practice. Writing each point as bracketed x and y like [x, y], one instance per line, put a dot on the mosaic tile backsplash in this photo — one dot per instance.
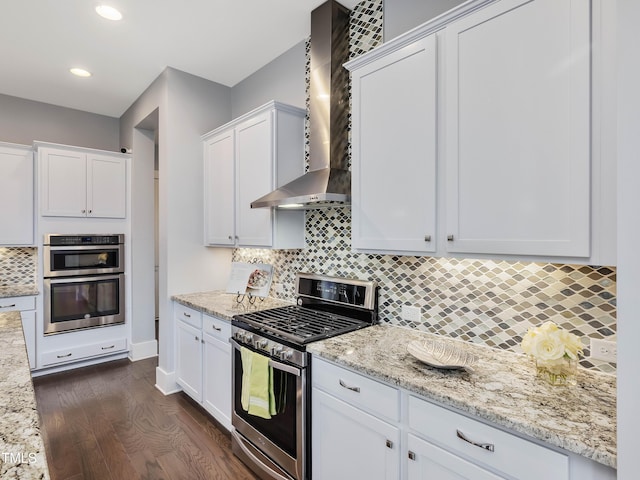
[481, 301]
[18, 266]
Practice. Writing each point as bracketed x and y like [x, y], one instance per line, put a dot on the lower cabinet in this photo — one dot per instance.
[204, 361]
[359, 430]
[83, 352]
[27, 307]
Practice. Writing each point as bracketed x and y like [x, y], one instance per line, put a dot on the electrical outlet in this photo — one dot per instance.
[411, 314]
[604, 350]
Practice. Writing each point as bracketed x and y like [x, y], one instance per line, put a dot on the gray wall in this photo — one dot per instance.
[401, 16]
[281, 79]
[23, 121]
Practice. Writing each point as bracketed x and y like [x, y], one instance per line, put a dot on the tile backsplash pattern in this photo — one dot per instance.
[487, 302]
[18, 266]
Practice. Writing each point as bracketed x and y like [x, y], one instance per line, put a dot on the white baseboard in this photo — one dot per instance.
[142, 350]
[166, 382]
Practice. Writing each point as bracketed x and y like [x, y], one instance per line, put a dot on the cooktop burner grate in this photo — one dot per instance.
[301, 324]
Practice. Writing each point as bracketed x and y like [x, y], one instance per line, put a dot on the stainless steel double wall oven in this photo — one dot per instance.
[279, 447]
[83, 281]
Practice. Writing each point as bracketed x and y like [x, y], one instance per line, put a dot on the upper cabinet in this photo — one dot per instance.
[16, 195]
[244, 160]
[517, 104]
[473, 135]
[394, 113]
[78, 182]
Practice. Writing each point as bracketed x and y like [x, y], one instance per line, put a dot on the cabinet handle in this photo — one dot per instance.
[64, 356]
[449, 238]
[344, 385]
[389, 444]
[411, 455]
[202, 340]
[197, 339]
[8, 306]
[486, 446]
[90, 211]
[217, 329]
[427, 238]
[84, 211]
[109, 347]
[230, 237]
[186, 314]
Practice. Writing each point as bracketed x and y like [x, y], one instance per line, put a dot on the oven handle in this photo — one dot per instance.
[82, 279]
[272, 363]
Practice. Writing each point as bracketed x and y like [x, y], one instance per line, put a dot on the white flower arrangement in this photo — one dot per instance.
[551, 344]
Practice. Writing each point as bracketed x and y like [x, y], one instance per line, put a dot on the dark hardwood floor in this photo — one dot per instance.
[109, 422]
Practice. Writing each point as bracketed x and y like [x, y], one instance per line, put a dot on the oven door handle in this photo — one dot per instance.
[272, 363]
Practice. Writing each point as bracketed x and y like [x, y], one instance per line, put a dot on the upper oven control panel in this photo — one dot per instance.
[55, 239]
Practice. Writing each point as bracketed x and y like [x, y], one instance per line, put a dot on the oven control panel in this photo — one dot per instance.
[270, 348]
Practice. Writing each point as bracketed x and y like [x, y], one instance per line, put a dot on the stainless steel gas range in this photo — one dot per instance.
[276, 445]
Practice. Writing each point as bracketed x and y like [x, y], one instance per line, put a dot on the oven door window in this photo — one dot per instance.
[87, 299]
[75, 260]
[281, 428]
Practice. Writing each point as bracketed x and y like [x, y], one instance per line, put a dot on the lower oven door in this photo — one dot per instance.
[281, 439]
[72, 303]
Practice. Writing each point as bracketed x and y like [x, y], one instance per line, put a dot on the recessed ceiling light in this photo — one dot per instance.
[80, 72]
[108, 12]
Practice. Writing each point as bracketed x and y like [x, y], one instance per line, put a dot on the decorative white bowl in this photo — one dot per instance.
[441, 355]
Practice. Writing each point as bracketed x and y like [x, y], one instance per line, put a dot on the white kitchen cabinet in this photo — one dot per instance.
[394, 137]
[429, 462]
[26, 305]
[16, 195]
[83, 351]
[189, 361]
[204, 360]
[348, 440]
[244, 160]
[216, 369]
[78, 182]
[517, 109]
[359, 430]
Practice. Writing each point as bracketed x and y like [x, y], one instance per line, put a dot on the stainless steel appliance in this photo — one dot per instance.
[279, 447]
[83, 281]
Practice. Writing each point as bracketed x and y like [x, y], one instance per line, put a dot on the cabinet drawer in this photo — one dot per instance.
[188, 315]
[512, 455]
[74, 354]
[17, 303]
[220, 329]
[356, 389]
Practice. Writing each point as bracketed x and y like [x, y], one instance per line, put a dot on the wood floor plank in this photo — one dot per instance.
[109, 421]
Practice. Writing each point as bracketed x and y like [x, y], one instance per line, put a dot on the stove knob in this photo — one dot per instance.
[277, 351]
[248, 338]
[263, 344]
[286, 355]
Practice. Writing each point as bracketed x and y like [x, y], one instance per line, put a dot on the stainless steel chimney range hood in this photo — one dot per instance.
[328, 181]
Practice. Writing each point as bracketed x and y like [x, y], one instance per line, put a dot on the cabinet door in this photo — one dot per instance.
[106, 186]
[189, 360]
[394, 151]
[254, 163]
[517, 129]
[349, 443]
[428, 462]
[217, 380]
[16, 196]
[63, 183]
[219, 189]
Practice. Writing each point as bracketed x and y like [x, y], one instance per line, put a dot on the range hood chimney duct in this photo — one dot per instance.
[328, 181]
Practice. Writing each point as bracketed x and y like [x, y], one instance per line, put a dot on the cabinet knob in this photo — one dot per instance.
[197, 339]
[449, 238]
[202, 340]
[427, 238]
[230, 237]
[84, 211]
[90, 211]
[411, 455]
[389, 444]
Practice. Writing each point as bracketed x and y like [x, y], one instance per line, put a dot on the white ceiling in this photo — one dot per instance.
[220, 40]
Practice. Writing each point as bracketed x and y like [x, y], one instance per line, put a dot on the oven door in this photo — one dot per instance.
[83, 260]
[83, 302]
[281, 439]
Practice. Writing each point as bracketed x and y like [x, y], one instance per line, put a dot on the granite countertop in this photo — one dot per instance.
[18, 290]
[22, 448]
[224, 305]
[502, 388]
